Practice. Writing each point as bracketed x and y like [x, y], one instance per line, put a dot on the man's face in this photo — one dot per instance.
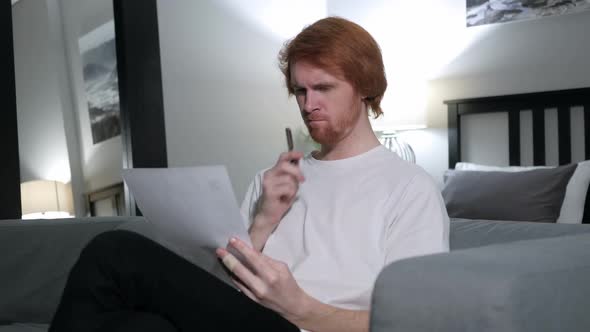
[330, 106]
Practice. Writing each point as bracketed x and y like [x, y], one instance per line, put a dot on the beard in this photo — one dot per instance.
[334, 130]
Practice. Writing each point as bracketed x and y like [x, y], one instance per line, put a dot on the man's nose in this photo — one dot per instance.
[310, 102]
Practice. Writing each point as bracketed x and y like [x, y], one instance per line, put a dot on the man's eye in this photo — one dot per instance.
[299, 92]
[323, 88]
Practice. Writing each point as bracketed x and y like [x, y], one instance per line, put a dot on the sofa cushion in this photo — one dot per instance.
[37, 256]
[532, 285]
[469, 233]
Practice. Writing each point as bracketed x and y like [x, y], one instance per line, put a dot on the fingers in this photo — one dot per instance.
[285, 179]
[284, 169]
[269, 282]
[246, 276]
[254, 258]
[273, 184]
[230, 262]
[285, 166]
[292, 170]
[245, 290]
[260, 265]
[286, 191]
[281, 174]
[281, 182]
[290, 156]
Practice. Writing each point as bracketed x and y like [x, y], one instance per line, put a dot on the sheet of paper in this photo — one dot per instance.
[192, 209]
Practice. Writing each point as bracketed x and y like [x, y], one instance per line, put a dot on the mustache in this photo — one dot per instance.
[314, 117]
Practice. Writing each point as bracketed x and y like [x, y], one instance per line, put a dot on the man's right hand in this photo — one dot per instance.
[279, 190]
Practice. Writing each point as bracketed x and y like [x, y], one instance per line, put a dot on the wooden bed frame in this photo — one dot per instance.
[562, 100]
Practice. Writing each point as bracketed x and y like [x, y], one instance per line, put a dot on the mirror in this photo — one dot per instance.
[67, 100]
[87, 103]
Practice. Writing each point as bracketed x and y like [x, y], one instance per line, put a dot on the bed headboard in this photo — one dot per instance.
[562, 100]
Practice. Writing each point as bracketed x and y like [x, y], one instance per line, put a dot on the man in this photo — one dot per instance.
[322, 226]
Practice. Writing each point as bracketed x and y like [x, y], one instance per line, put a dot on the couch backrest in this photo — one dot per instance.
[36, 257]
[467, 233]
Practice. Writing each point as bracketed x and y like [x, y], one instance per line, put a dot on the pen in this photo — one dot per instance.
[290, 142]
[289, 138]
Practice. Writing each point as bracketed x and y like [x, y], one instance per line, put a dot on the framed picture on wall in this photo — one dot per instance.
[99, 61]
[94, 69]
[481, 12]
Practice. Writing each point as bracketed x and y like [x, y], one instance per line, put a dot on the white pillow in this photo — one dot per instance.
[572, 208]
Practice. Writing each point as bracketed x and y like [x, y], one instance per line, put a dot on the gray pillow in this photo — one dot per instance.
[534, 195]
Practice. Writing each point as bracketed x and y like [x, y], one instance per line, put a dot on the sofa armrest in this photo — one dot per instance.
[532, 285]
[36, 258]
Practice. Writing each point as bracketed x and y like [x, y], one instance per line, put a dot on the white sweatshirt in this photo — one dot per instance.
[350, 219]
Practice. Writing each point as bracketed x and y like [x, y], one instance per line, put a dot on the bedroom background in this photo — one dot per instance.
[225, 101]
[224, 98]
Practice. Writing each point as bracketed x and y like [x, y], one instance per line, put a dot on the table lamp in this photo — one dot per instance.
[403, 110]
[46, 199]
[388, 132]
[391, 140]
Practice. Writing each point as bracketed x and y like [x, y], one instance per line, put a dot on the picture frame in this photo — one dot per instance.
[482, 12]
[99, 61]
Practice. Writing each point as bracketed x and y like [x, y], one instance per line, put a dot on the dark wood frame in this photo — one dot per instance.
[115, 193]
[562, 100]
[10, 206]
[140, 87]
[141, 99]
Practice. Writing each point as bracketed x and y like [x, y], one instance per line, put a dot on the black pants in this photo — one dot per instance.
[126, 282]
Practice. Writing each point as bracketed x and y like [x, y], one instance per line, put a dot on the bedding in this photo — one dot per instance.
[573, 209]
[534, 195]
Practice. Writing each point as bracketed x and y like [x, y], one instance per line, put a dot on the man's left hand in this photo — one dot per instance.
[268, 282]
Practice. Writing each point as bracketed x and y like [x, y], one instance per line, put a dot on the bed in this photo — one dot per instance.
[503, 148]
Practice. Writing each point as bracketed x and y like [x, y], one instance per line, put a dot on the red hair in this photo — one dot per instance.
[344, 49]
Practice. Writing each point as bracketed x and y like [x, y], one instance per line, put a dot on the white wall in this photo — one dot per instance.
[224, 97]
[42, 142]
[225, 101]
[431, 56]
[538, 55]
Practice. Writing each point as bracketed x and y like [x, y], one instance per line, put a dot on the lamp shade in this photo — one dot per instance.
[46, 199]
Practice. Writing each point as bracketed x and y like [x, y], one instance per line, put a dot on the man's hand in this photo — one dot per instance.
[268, 282]
[279, 189]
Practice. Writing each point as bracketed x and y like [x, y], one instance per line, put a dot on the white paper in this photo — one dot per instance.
[192, 209]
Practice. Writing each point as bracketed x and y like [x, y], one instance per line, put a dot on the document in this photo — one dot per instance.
[193, 210]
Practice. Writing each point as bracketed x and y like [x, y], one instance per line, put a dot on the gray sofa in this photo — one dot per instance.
[499, 276]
